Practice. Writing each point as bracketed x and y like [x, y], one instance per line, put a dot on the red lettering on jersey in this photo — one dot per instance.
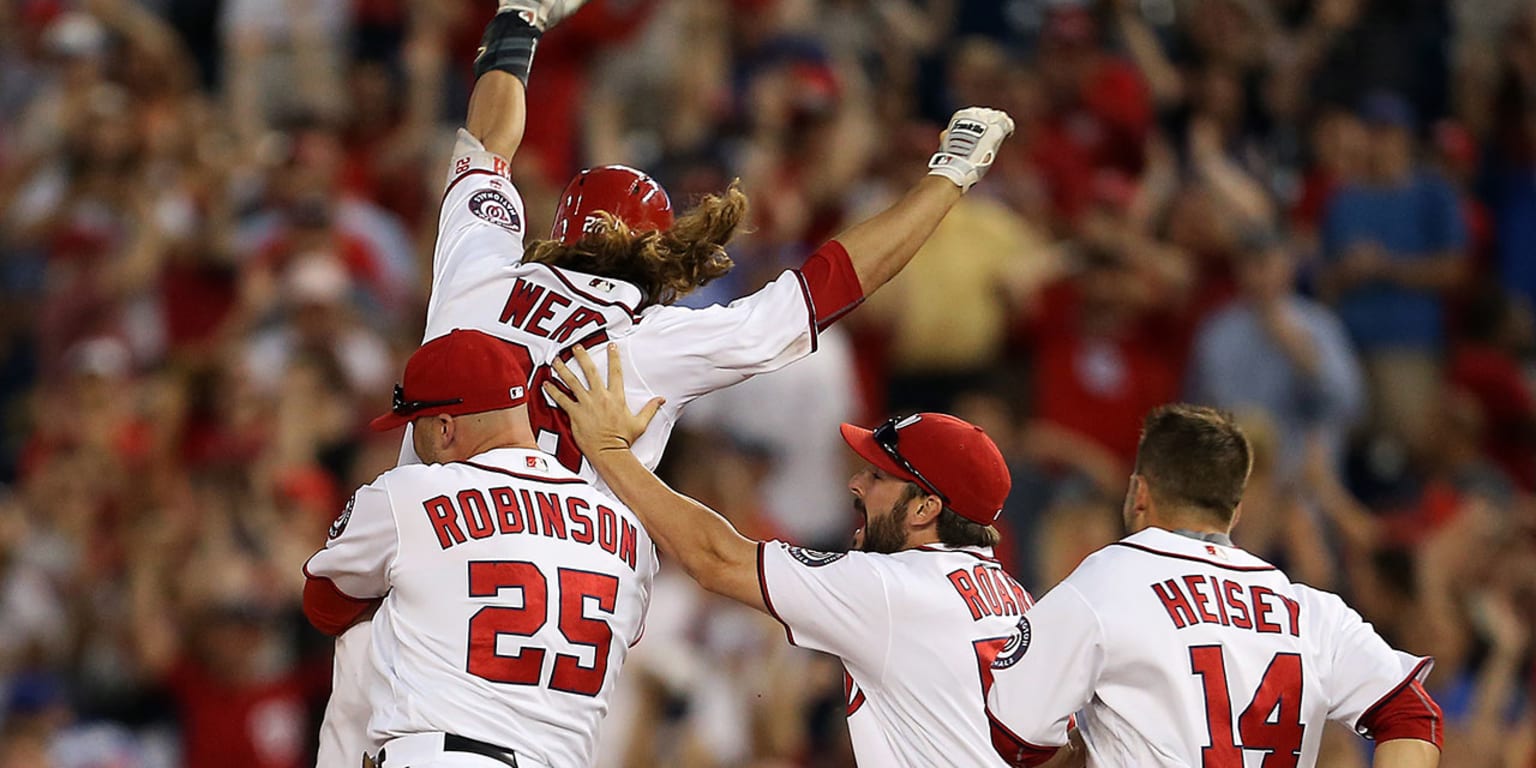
[627, 543]
[476, 514]
[1261, 610]
[1293, 608]
[607, 530]
[552, 514]
[968, 592]
[988, 589]
[1201, 599]
[577, 320]
[440, 512]
[528, 508]
[545, 311]
[520, 301]
[1175, 603]
[576, 508]
[1025, 601]
[508, 516]
[1005, 594]
[1234, 594]
[1221, 608]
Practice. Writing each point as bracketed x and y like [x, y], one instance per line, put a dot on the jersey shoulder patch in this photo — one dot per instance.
[814, 558]
[1014, 649]
[496, 208]
[340, 524]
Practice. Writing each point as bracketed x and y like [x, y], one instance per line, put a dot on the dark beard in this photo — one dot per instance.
[888, 534]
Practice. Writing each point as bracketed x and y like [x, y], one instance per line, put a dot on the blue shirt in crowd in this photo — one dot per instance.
[1238, 366]
[1416, 220]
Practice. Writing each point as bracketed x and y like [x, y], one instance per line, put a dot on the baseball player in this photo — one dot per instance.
[917, 615]
[1177, 648]
[615, 260]
[508, 589]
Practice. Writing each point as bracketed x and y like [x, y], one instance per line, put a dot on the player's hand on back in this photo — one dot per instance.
[542, 13]
[600, 416]
[969, 145]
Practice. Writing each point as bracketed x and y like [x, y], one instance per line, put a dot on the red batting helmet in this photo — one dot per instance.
[635, 198]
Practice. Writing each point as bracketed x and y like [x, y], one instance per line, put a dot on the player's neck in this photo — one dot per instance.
[501, 439]
[924, 538]
[1193, 523]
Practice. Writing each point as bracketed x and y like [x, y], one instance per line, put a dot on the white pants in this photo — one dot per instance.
[425, 750]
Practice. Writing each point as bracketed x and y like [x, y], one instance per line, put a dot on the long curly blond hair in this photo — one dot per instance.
[666, 266]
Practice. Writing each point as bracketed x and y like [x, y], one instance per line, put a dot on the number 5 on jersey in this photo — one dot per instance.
[488, 578]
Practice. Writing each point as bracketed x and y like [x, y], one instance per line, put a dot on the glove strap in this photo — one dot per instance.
[953, 167]
[508, 46]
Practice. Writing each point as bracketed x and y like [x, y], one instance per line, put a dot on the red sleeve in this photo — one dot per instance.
[831, 282]
[1014, 750]
[329, 609]
[1407, 712]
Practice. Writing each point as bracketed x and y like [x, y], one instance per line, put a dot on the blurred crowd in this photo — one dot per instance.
[215, 214]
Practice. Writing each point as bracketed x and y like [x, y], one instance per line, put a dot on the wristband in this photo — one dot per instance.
[508, 46]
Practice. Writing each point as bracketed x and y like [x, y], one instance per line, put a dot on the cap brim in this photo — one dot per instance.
[388, 421]
[862, 441]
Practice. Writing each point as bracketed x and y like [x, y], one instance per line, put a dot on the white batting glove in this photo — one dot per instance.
[542, 14]
[969, 145]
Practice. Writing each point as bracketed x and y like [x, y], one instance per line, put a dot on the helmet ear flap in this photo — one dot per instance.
[628, 194]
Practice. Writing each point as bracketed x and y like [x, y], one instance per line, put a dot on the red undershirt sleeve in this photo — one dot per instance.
[1406, 713]
[832, 283]
[329, 609]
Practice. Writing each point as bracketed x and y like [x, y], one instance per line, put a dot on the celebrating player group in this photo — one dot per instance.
[486, 591]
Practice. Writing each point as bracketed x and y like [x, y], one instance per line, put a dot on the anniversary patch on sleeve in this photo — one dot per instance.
[1015, 647]
[340, 523]
[496, 208]
[813, 557]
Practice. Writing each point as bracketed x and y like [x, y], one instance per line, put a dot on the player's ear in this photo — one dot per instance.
[446, 428]
[1138, 497]
[930, 509]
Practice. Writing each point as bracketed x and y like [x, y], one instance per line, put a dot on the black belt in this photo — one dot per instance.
[455, 743]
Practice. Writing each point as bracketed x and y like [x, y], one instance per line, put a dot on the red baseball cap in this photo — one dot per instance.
[946, 456]
[460, 373]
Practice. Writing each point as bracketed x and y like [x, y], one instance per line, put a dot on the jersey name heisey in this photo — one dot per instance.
[1202, 599]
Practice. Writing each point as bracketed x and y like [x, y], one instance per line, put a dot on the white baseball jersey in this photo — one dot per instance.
[917, 632]
[479, 283]
[512, 590]
[1175, 651]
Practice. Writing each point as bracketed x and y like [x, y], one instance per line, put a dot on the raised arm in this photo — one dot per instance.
[881, 246]
[498, 105]
[712, 552]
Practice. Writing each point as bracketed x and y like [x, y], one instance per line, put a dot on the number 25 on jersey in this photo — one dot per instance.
[490, 578]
